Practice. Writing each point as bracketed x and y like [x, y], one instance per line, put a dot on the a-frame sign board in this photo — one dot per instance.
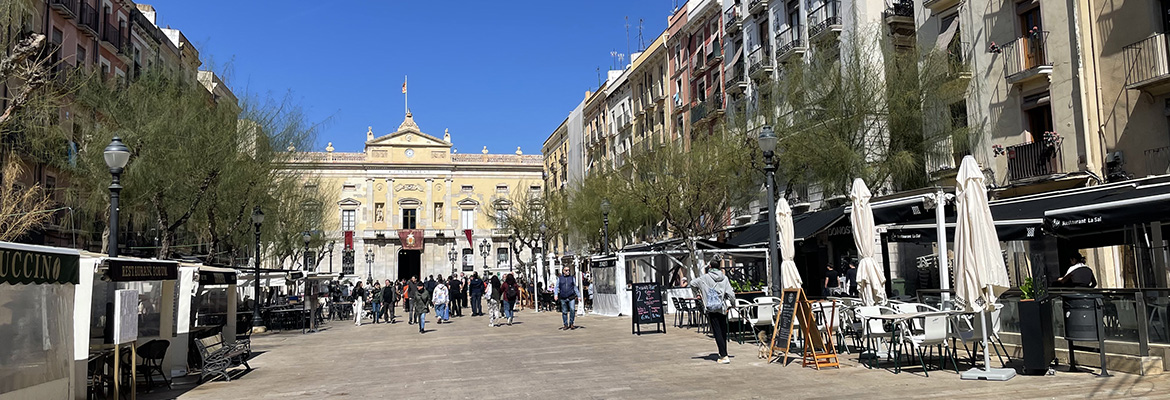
[793, 304]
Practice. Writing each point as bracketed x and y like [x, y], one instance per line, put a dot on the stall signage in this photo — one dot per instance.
[20, 265]
[412, 239]
[647, 306]
[217, 278]
[142, 270]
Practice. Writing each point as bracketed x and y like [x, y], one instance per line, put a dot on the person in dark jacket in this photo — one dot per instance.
[493, 293]
[455, 290]
[420, 303]
[430, 284]
[511, 294]
[475, 289]
[566, 295]
[389, 301]
[411, 291]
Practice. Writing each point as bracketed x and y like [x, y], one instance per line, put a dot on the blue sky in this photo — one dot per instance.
[500, 73]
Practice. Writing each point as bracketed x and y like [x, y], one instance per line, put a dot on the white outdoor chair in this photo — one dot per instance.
[767, 299]
[742, 307]
[874, 331]
[968, 329]
[909, 308]
[933, 335]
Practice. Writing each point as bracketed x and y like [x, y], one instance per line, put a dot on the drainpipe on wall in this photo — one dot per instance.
[1085, 147]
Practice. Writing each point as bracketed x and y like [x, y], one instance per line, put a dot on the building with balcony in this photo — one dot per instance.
[411, 198]
[699, 38]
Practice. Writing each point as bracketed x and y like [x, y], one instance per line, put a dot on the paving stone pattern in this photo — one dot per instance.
[533, 359]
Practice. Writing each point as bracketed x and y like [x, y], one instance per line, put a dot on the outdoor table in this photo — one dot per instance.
[109, 357]
[898, 321]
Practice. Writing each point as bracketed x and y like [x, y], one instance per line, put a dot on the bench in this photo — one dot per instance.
[218, 356]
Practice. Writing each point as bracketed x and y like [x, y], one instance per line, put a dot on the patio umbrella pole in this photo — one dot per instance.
[944, 274]
[987, 373]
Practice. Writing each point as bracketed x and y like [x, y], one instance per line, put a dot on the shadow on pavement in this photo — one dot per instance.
[184, 384]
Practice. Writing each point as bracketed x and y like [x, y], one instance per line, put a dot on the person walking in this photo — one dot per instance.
[717, 293]
[430, 284]
[421, 299]
[493, 295]
[359, 299]
[831, 279]
[376, 300]
[475, 289]
[389, 300]
[456, 289]
[566, 295]
[851, 277]
[441, 299]
[409, 292]
[511, 295]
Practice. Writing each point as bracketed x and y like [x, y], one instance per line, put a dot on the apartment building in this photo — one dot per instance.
[695, 54]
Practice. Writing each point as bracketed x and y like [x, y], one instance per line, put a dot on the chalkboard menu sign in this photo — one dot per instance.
[782, 332]
[648, 307]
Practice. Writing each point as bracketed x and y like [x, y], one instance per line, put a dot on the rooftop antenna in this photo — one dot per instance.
[599, 77]
[613, 59]
[641, 41]
[621, 60]
[627, 35]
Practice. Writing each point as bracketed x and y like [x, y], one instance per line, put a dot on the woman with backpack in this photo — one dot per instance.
[718, 296]
[441, 301]
[511, 295]
[493, 295]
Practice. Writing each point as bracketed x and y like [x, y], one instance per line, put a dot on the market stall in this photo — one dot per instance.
[610, 296]
[37, 286]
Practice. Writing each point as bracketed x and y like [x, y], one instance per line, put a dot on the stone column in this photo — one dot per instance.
[368, 215]
[391, 232]
[428, 205]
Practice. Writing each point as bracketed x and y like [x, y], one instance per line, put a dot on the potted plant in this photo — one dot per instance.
[1036, 336]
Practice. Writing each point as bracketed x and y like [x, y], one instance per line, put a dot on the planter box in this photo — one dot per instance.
[1036, 336]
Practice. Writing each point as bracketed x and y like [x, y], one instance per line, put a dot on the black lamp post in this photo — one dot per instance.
[605, 219]
[767, 141]
[331, 243]
[485, 250]
[369, 266]
[257, 220]
[453, 255]
[116, 155]
[306, 237]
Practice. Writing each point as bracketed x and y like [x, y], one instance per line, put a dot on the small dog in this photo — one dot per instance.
[764, 337]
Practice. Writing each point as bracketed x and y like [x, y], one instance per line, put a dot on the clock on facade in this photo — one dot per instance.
[409, 153]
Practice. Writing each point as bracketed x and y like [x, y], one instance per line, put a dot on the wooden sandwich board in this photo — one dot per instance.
[816, 353]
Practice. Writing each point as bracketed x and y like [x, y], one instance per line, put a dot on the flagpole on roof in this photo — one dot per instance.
[406, 97]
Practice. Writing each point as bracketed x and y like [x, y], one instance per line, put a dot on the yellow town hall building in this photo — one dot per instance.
[411, 199]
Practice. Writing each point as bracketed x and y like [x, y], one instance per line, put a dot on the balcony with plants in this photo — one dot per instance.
[1033, 160]
[733, 22]
[1026, 58]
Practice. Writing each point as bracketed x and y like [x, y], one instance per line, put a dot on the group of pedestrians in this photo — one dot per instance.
[447, 297]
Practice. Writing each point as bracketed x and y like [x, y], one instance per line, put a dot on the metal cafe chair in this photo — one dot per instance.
[152, 354]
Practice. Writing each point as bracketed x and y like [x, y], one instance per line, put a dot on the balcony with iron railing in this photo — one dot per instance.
[87, 19]
[112, 35]
[825, 19]
[760, 63]
[789, 43]
[68, 8]
[1148, 65]
[899, 16]
[735, 79]
[715, 53]
[758, 6]
[733, 22]
[1158, 161]
[1032, 160]
[1026, 58]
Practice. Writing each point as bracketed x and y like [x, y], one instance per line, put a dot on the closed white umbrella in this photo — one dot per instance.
[790, 277]
[871, 282]
[978, 260]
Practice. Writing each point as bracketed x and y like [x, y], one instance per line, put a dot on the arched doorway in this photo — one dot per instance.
[409, 263]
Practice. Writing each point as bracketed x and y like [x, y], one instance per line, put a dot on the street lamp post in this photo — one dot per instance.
[331, 244]
[116, 155]
[605, 219]
[306, 237]
[257, 220]
[452, 255]
[369, 266]
[485, 249]
[767, 141]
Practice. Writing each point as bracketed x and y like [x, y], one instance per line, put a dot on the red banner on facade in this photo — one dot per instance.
[412, 239]
[348, 240]
[467, 232]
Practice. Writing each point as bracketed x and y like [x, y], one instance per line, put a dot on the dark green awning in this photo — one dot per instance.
[29, 264]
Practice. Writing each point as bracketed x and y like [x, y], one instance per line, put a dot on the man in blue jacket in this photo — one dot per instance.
[475, 289]
[567, 296]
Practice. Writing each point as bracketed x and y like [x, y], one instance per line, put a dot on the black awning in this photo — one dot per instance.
[805, 225]
[136, 270]
[809, 224]
[1143, 202]
[217, 277]
[1006, 230]
[29, 264]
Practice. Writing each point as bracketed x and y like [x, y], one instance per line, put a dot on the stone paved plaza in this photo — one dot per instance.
[532, 359]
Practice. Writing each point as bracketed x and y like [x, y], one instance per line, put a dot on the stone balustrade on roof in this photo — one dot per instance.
[457, 158]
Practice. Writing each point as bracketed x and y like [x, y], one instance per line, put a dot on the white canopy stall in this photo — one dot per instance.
[37, 286]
